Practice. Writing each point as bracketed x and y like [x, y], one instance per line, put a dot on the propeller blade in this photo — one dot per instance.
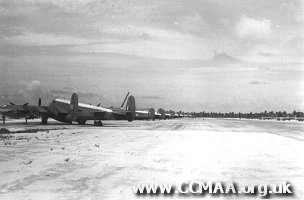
[25, 104]
[124, 100]
[98, 104]
[12, 103]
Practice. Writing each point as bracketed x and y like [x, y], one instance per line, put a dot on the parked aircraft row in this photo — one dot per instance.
[160, 114]
[283, 118]
[72, 111]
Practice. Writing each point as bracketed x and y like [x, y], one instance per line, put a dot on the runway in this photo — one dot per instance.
[86, 162]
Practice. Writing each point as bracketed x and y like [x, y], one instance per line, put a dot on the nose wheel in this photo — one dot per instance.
[97, 123]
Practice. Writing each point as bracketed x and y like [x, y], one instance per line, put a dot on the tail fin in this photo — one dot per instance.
[162, 112]
[74, 106]
[123, 103]
[130, 107]
[151, 113]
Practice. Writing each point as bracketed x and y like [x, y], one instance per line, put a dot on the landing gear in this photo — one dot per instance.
[3, 119]
[81, 122]
[97, 123]
[44, 120]
[25, 120]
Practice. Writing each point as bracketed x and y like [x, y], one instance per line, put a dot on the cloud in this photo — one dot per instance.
[72, 6]
[263, 68]
[149, 42]
[60, 92]
[223, 58]
[192, 24]
[37, 39]
[265, 54]
[33, 85]
[25, 92]
[296, 45]
[149, 97]
[254, 29]
[41, 36]
[254, 82]
[33, 90]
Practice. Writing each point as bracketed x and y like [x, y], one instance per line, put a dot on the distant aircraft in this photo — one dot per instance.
[160, 114]
[120, 111]
[266, 118]
[287, 118]
[16, 111]
[72, 111]
[172, 113]
[179, 114]
[145, 114]
[167, 115]
[157, 115]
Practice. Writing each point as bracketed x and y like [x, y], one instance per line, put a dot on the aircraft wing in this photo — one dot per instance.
[23, 110]
[119, 111]
[11, 108]
[59, 109]
[41, 109]
[5, 110]
[142, 111]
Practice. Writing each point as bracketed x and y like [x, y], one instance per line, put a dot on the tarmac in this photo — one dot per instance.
[59, 161]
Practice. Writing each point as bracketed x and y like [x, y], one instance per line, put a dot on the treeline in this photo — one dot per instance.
[250, 115]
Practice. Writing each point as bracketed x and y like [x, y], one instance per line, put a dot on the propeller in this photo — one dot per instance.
[96, 105]
[15, 104]
[124, 100]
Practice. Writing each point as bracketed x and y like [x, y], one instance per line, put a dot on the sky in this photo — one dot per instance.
[211, 55]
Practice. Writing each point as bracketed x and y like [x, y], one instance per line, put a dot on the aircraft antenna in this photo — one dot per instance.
[124, 100]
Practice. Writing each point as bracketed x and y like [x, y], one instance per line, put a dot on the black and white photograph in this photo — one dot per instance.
[151, 99]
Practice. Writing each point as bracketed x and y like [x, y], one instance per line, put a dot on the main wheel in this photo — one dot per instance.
[97, 123]
[44, 120]
[81, 122]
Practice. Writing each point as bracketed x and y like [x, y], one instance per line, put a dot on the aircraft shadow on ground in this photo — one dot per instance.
[105, 124]
[30, 124]
[120, 125]
[113, 124]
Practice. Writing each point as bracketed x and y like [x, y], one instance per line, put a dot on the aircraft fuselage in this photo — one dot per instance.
[85, 112]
